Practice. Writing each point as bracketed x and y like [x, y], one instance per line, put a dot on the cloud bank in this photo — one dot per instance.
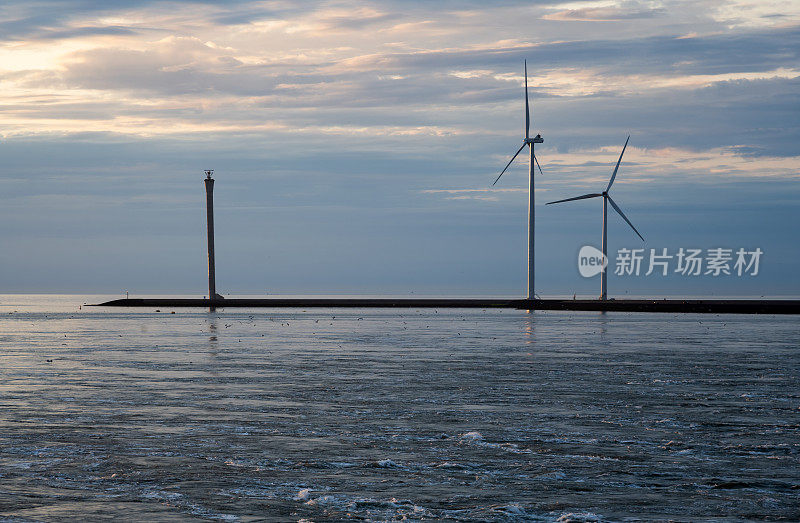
[378, 110]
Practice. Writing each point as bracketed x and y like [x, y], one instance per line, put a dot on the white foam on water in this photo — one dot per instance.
[386, 464]
[476, 438]
[556, 474]
[451, 465]
[342, 464]
[370, 508]
[512, 509]
[322, 500]
[179, 501]
[579, 517]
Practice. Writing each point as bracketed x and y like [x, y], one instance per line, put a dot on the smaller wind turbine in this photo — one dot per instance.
[606, 199]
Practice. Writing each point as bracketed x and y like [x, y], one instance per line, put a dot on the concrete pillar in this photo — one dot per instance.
[212, 284]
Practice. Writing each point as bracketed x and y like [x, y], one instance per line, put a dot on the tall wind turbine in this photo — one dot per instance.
[531, 160]
[606, 200]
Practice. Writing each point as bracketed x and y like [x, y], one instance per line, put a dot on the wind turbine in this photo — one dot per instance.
[606, 199]
[532, 159]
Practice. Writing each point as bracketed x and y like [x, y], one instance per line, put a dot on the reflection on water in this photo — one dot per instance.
[382, 414]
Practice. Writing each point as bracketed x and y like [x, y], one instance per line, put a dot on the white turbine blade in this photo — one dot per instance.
[593, 195]
[614, 175]
[509, 162]
[527, 111]
[537, 165]
[616, 208]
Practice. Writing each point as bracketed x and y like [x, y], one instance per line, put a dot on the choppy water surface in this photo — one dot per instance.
[392, 414]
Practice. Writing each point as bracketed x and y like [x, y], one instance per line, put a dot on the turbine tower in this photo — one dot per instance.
[531, 160]
[606, 200]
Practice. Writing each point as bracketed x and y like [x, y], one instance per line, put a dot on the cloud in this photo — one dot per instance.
[355, 19]
[606, 13]
[79, 32]
[753, 51]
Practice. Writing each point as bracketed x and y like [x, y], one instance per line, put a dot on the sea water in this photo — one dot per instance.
[387, 414]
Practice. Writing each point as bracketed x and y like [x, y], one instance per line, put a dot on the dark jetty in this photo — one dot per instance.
[689, 306]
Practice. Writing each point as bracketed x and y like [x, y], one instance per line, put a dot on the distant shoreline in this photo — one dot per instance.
[719, 306]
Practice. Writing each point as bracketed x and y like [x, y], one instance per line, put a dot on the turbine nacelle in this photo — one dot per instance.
[536, 139]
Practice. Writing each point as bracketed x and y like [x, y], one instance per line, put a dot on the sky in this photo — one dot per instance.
[355, 143]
